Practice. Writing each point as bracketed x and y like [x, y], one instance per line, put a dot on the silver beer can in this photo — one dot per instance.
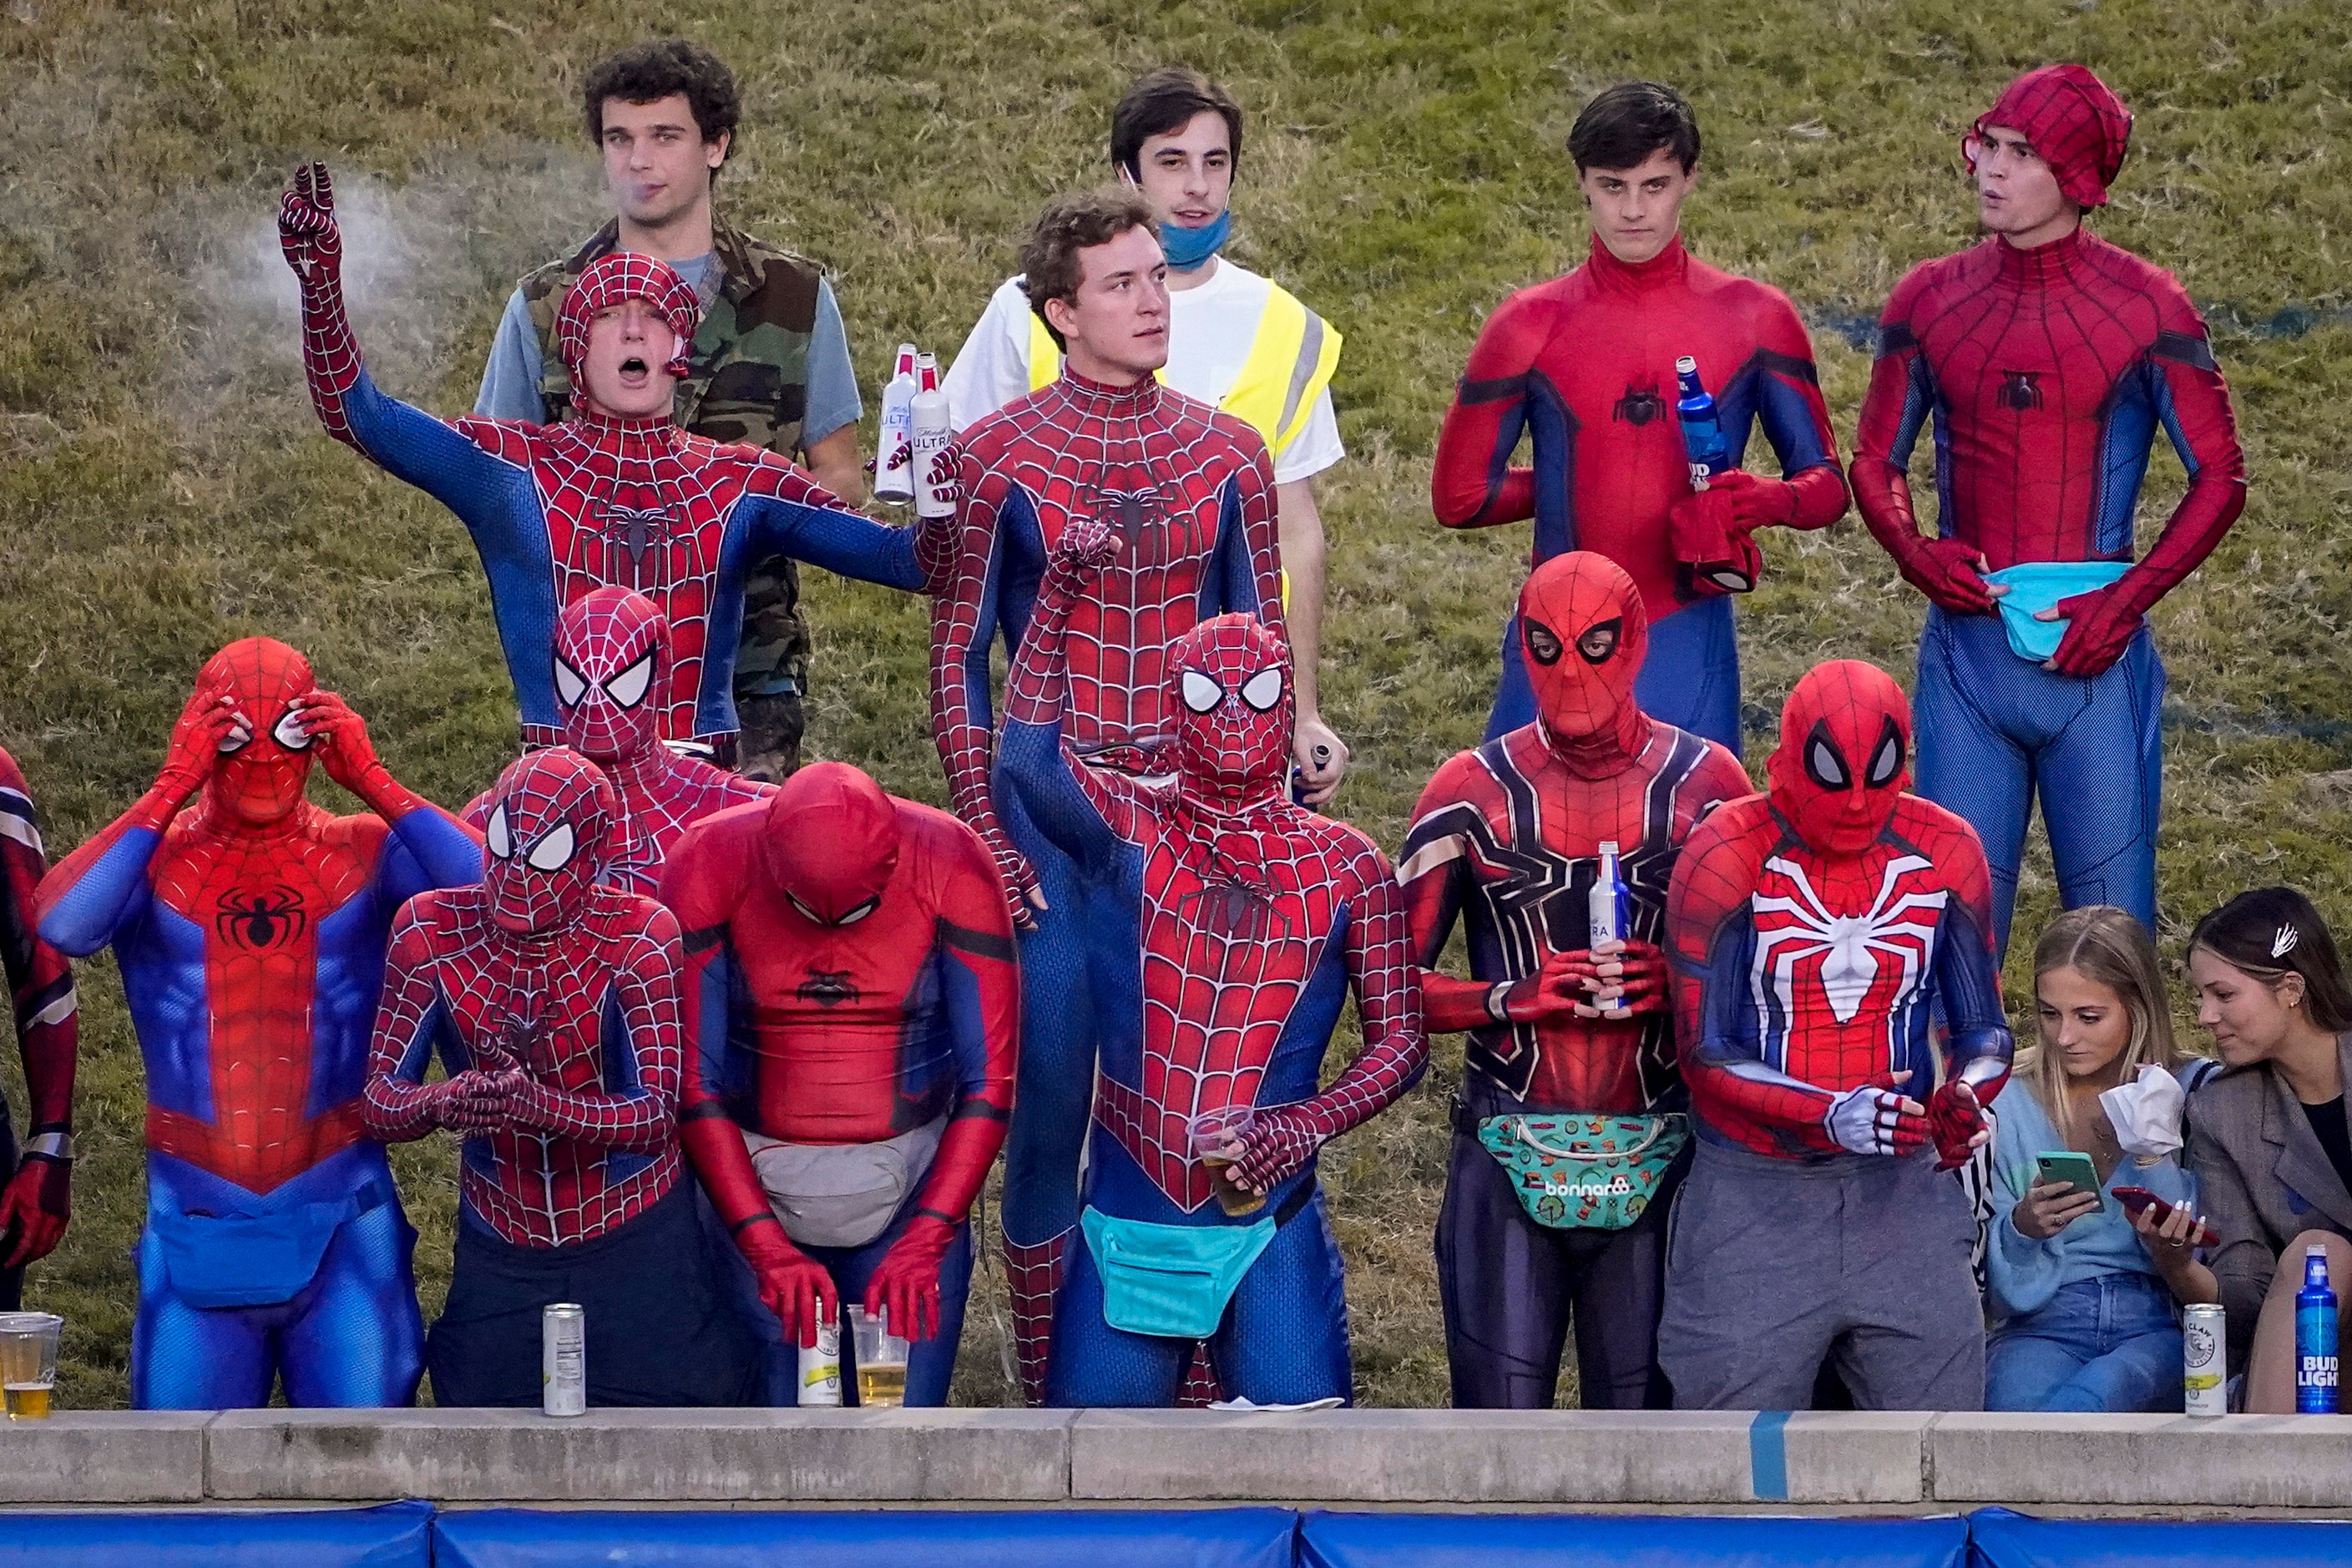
[563, 1360]
[821, 1367]
[2204, 1360]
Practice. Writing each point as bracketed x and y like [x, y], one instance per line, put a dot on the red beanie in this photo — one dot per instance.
[2076, 123]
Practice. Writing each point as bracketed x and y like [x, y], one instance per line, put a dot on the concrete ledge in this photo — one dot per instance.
[121, 1457]
[2164, 1462]
[1491, 1457]
[641, 1456]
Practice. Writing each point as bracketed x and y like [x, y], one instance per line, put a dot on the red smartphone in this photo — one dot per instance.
[2134, 1199]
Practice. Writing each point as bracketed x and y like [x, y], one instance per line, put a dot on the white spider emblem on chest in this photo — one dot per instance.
[1794, 925]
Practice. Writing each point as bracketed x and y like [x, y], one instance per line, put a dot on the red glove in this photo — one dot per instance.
[1636, 972]
[906, 1283]
[471, 1103]
[1024, 897]
[795, 1286]
[36, 1205]
[306, 230]
[208, 722]
[1279, 1143]
[345, 750]
[2101, 625]
[1949, 571]
[1713, 552]
[1956, 1121]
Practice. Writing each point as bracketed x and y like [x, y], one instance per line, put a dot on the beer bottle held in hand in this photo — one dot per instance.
[2315, 1337]
[893, 476]
[1606, 912]
[929, 435]
[1703, 443]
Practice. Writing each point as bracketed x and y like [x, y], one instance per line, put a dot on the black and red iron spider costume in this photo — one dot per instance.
[1190, 491]
[612, 662]
[1584, 366]
[1510, 834]
[1252, 918]
[1816, 932]
[2046, 374]
[851, 982]
[557, 510]
[552, 1001]
[36, 1194]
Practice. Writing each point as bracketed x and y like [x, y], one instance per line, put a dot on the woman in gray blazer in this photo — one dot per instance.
[2267, 1139]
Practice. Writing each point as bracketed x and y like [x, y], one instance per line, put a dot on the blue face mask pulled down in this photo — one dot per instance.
[1187, 248]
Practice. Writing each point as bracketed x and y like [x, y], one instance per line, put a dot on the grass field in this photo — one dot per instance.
[163, 488]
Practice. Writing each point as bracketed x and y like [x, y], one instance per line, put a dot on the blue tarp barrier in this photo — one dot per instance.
[397, 1535]
[2007, 1540]
[1076, 1538]
[1626, 1540]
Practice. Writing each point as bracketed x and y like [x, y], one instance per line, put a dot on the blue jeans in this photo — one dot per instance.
[2107, 1344]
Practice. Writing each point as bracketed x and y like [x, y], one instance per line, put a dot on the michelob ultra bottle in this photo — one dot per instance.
[894, 476]
[2315, 1337]
[928, 435]
[1702, 442]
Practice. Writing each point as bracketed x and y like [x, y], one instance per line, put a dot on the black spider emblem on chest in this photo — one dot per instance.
[828, 987]
[635, 530]
[254, 920]
[1136, 517]
[1640, 405]
[1235, 910]
[2020, 389]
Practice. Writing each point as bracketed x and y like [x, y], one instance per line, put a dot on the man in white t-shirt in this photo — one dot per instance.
[1235, 340]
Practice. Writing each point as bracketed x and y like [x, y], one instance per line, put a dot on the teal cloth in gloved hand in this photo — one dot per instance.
[2037, 585]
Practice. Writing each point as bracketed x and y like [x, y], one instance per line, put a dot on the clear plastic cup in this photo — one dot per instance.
[1213, 1134]
[881, 1358]
[28, 1361]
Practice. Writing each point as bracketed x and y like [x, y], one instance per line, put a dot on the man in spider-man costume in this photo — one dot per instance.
[1813, 929]
[1231, 925]
[1190, 491]
[1511, 834]
[2047, 360]
[852, 1006]
[36, 1194]
[553, 1000]
[250, 932]
[1584, 366]
[611, 660]
[618, 494]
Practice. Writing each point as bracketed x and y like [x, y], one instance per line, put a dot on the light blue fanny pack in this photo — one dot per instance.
[2037, 585]
[1173, 1281]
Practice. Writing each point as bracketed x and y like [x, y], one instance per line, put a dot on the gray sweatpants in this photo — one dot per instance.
[1774, 1265]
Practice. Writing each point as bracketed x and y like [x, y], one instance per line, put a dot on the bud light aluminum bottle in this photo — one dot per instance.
[894, 476]
[1702, 442]
[2315, 1337]
[2204, 1360]
[1605, 905]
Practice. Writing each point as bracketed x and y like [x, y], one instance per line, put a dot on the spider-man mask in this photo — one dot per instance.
[622, 275]
[265, 760]
[1232, 679]
[544, 839]
[1845, 743]
[832, 842]
[1583, 632]
[611, 654]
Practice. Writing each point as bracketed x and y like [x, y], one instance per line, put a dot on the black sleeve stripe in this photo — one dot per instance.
[2185, 348]
[979, 944]
[979, 1110]
[1505, 389]
[708, 937]
[702, 1112]
[1893, 337]
[942, 1218]
[741, 1226]
[1790, 365]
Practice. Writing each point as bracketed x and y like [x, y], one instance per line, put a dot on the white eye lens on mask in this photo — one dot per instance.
[1264, 689]
[553, 851]
[1886, 761]
[859, 914]
[289, 731]
[1826, 766]
[499, 836]
[628, 688]
[1201, 694]
[235, 741]
[568, 684]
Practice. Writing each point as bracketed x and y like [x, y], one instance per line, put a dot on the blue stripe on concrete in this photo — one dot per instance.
[1768, 1456]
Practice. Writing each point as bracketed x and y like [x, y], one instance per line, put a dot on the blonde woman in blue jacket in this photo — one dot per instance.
[2086, 1294]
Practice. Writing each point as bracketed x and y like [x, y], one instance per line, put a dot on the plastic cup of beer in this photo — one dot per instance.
[881, 1359]
[28, 1361]
[1213, 1133]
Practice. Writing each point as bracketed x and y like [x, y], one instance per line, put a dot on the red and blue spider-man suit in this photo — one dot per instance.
[1584, 365]
[250, 932]
[612, 657]
[852, 984]
[557, 510]
[552, 1001]
[1510, 834]
[2047, 373]
[1816, 930]
[1190, 491]
[1229, 927]
[36, 1195]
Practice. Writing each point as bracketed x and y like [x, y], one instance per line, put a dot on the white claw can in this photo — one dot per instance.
[563, 1358]
[821, 1365]
[2204, 1360]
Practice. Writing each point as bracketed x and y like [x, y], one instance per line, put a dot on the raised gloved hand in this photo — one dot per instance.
[35, 1207]
[208, 728]
[1874, 1118]
[471, 1103]
[2101, 625]
[906, 1283]
[344, 749]
[1956, 1120]
[306, 230]
[794, 1286]
[1710, 529]
[1951, 573]
[1087, 546]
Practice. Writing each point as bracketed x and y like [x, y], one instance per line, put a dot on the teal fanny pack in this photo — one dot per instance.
[1584, 1173]
[1174, 1280]
[2037, 585]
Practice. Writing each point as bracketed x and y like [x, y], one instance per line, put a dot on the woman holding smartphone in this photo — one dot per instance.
[2084, 1290]
[2267, 1141]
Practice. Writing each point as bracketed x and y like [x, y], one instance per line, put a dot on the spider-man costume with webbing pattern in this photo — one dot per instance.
[1584, 365]
[1231, 925]
[611, 654]
[1510, 834]
[250, 932]
[1190, 491]
[850, 981]
[36, 1195]
[2046, 374]
[558, 510]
